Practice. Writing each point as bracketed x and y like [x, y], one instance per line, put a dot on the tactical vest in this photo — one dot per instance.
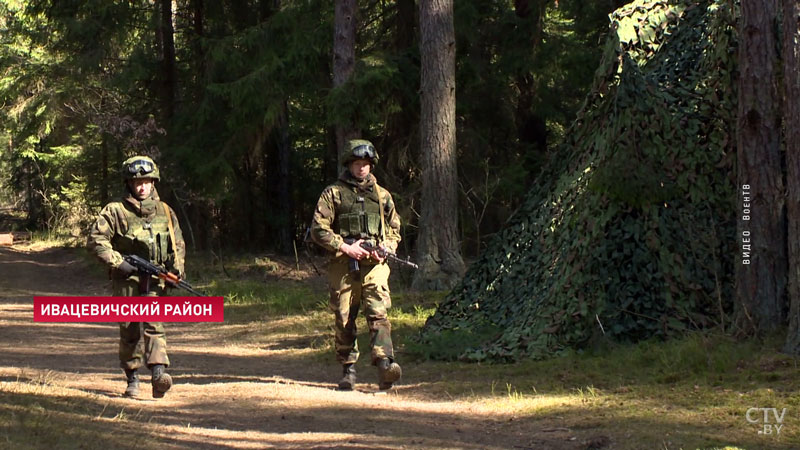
[358, 214]
[146, 237]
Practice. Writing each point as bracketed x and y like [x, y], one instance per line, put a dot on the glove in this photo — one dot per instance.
[175, 272]
[126, 269]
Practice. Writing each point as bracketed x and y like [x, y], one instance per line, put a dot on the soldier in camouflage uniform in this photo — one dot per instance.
[351, 211]
[142, 225]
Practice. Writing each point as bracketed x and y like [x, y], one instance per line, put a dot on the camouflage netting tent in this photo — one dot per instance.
[630, 230]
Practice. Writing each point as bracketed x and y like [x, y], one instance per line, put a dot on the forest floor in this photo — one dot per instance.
[265, 378]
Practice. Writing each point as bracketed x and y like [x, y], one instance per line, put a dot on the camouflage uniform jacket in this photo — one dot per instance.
[138, 227]
[343, 201]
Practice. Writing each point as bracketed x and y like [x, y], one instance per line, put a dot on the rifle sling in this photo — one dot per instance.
[380, 207]
[170, 227]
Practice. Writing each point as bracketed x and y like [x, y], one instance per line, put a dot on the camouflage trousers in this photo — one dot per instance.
[140, 342]
[348, 293]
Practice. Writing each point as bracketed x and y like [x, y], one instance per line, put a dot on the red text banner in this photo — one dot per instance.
[128, 309]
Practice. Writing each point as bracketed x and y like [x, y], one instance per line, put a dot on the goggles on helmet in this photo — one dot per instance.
[141, 167]
[364, 151]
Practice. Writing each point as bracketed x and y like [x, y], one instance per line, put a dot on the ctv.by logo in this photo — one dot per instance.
[770, 419]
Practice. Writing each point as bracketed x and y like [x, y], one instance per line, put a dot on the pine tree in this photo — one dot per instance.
[438, 247]
[760, 277]
[791, 124]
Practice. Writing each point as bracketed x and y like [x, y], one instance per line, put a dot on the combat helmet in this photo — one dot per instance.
[140, 167]
[360, 149]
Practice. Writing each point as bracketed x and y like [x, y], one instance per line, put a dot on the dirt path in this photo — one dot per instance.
[228, 394]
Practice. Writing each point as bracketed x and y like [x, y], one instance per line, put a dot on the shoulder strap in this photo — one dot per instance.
[380, 207]
[169, 225]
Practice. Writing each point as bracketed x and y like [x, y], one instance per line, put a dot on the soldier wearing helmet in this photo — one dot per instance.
[353, 210]
[140, 224]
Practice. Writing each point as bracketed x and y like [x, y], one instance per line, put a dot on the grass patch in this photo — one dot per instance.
[254, 300]
[686, 393]
[283, 313]
[55, 238]
[254, 286]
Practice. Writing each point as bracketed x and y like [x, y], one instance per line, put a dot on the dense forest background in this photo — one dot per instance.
[235, 100]
[614, 171]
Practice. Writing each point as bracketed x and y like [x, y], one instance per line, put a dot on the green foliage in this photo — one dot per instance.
[520, 80]
[251, 300]
[627, 232]
[377, 78]
[253, 79]
[61, 111]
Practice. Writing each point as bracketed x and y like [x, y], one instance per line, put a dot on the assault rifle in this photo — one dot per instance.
[386, 254]
[147, 269]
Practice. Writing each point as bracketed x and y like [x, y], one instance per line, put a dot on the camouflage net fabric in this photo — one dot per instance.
[629, 232]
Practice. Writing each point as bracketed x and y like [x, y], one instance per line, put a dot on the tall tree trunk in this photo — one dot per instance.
[248, 210]
[330, 160]
[344, 62]
[267, 8]
[531, 128]
[438, 247]
[405, 25]
[28, 171]
[284, 187]
[104, 170]
[400, 134]
[166, 32]
[277, 187]
[331, 165]
[279, 153]
[791, 123]
[761, 275]
[241, 13]
[198, 17]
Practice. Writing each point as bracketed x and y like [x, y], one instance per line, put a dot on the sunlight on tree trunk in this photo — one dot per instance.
[438, 247]
[344, 62]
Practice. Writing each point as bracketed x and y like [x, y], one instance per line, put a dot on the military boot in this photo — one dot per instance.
[161, 380]
[348, 380]
[133, 383]
[388, 372]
